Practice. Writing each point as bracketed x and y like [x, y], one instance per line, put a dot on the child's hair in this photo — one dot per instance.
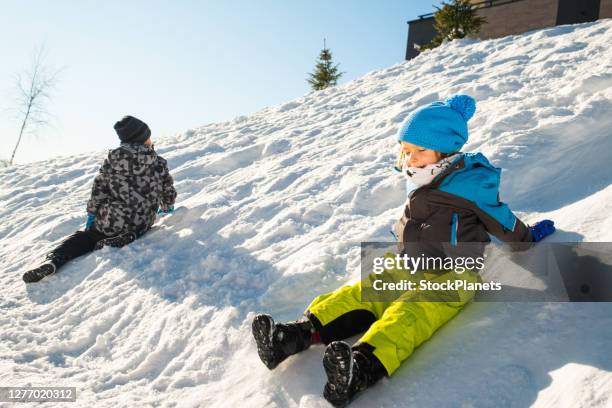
[445, 155]
[401, 157]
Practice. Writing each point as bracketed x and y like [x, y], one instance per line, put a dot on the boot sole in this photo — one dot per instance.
[263, 328]
[338, 364]
[36, 275]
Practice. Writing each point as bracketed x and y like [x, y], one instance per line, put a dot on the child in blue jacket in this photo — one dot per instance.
[456, 201]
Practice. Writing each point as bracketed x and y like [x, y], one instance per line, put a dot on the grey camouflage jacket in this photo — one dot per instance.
[132, 184]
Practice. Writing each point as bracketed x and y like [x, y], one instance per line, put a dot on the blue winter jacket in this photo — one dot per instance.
[461, 205]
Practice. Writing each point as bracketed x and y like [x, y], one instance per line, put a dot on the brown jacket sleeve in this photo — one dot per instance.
[516, 238]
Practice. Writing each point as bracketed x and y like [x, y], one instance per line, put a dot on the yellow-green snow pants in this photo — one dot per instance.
[393, 329]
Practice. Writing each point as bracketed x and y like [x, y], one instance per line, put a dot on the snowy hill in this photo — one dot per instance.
[272, 209]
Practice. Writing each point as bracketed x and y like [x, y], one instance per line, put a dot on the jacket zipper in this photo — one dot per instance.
[454, 228]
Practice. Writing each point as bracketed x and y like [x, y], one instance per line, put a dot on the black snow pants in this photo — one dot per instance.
[78, 244]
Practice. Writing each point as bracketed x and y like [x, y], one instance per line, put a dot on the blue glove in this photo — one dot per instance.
[542, 229]
[166, 210]
[90, 221]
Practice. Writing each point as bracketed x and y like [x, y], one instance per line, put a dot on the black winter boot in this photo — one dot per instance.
[46, 269]
[349, 372]
[276, 342]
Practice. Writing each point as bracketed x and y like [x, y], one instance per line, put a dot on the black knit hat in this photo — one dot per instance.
[132, 130]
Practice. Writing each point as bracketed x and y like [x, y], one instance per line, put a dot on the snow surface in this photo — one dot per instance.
[272, 208]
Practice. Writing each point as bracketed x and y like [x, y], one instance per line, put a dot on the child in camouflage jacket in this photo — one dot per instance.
[133, 185]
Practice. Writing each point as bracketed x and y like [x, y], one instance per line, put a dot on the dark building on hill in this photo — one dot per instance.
[506, 17]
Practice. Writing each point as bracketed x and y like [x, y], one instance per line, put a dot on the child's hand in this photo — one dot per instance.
[90, 221]
[542, 229]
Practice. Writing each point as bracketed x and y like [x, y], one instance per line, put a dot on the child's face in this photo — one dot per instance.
[417, 156]
[148, 142]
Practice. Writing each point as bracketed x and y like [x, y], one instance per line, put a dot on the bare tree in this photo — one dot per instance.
[34, 87]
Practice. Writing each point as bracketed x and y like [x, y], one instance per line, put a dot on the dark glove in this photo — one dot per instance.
[90, 221]
[542, 229]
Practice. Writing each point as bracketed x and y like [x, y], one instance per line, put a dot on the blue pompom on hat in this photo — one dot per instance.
[440, 126]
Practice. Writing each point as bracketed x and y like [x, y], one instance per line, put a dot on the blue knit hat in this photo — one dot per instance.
[440, 126]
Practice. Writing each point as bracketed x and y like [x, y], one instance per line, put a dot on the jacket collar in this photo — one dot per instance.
[457, 164]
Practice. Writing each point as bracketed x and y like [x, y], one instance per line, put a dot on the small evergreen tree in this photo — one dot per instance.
[455, 20]
[325, 73]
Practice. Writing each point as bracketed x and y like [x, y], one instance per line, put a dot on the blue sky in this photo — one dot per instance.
[183, 64]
